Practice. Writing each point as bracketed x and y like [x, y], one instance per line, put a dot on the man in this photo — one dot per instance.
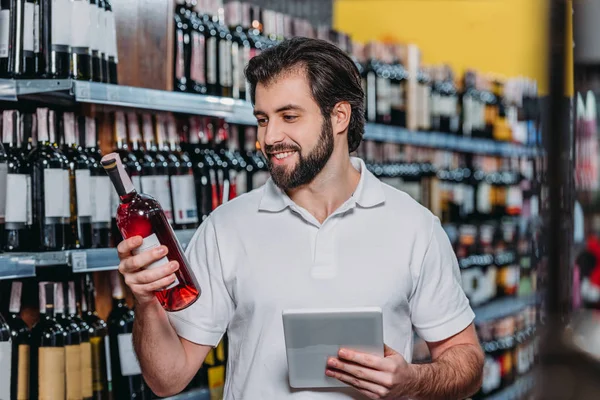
[322, 232]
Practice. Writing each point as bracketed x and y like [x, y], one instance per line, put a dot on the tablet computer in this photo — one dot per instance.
[314, 335]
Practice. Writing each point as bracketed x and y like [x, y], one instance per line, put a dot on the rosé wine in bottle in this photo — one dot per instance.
[141, 215]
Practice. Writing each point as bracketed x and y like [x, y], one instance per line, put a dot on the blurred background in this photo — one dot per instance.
[483, 111]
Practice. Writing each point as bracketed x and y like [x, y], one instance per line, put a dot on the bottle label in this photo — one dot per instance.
[61, 24]
[29, 202]
[28, 20]
[104, 41]
[162, 193]
[108, 362]
[244, 58]
[66, 183]
[51, 373]
[112, 34]
[179, 57]
[95, 34]
[184, 199]
[73, 371]
[129, 362]
[150, 243]
[235, 69]
[101, 198]
[15, 297]
[5, 365]
[197, 72]
[80, 24]
[211, 60]
[383, 96]
[83, 188]
[148, 184]
[4, 34]
[16, 197]
[86, 370]
[56, 189]
[3, 188]
[97, 350]
[23, 371]
[225, 77]
[36, 28]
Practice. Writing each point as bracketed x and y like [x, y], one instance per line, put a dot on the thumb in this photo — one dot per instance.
[388, 351]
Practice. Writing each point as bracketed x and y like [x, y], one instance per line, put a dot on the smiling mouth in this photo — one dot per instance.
[283, 155]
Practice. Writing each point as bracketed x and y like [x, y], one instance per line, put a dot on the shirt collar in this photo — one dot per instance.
[369, 191]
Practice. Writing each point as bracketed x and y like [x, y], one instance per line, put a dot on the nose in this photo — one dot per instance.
[273, 133]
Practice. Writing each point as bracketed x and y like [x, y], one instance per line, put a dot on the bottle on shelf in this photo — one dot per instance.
[182, 48]
[81, 55]
[491, 107]
[140, 214]
[97, 33]
[100, 187]
[102, 17]
[202, 164]
[47, 350]
[6, 349]
[21, 60]
[101, 374]
[50, 187]
[197, 47]
[224, 46]
[260, 171]
[423, 99]
[5, 22]
[230, 164]
[75, 312]
[237, 16]
[448, 102]
[55, 39]
[21, 340]
[18, 218]
[112, 51]
[212, 51]
[127, 381]
[399, 87]
[79, 236]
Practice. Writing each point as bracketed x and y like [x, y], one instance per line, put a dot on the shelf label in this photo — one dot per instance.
[82, 90]
[79, 261]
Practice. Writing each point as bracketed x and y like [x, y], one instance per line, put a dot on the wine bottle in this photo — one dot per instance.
[18, 198]
[47, 350]
[74, 309]
[212, 53]
[6, 350]
[96, 36]
[127, 382]
[79, 236]
[72, 345]
[182, 48]
[81, 53]
[50, 188]
[140, 214]
[111, 44]
[101, 385]
[197, 48]
[103, 47]
[259, 174]
[224, 49]
[181, 179]
[21, 339]
[21, 62]
[200, 168]
[59, 54]
[238, 20]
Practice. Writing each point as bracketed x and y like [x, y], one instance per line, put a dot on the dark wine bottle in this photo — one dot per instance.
[101, 385]
[6, 349]
[140, 214]
[74, 309]
[182, 47]
[18, 198]
[60, 39]
[21, 62]
[111, 44]
[198, 35]
[127, 381]
[47, 350]
[238, 20]
[81, 53]
[50, 188]
[21, 340]
[102, 17]
[224, 49]
[96, 36]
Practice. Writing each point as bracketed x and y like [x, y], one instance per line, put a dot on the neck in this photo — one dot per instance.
[330, 189]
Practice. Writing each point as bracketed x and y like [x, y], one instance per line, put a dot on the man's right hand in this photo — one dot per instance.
[143, 282]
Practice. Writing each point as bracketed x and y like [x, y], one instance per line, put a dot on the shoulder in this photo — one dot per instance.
[401, 207]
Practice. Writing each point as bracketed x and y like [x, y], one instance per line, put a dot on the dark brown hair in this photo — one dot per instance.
[331, 73]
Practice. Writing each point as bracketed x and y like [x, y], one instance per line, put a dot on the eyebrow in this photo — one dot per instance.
[287, 107]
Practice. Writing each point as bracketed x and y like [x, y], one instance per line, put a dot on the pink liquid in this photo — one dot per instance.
[141, 215]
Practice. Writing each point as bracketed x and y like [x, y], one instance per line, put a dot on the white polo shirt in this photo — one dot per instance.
[261, 253]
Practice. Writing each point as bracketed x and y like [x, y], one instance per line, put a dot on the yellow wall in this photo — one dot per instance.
[507, 37]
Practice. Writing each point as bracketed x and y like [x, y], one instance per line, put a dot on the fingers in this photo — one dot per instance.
[155, 285]
[370, 389]
[367, 360]
[126, 246]
[145, 258]
[148, 276]
[362, 373]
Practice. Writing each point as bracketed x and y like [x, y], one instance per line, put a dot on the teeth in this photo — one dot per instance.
[280, 156]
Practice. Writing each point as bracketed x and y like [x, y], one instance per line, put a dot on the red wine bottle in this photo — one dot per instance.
[141, 215]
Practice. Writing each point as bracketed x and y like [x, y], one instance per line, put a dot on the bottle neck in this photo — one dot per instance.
[10, 125]
[42, 135]
[120, 130]
[59, 300]
[148, 132]
[72, 303]
[91, 136]
[15, 298]
[116, 172]
[69, 130]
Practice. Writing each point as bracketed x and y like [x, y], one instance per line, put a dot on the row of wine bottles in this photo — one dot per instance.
[58, 39]
[72, 353]
[61, 198]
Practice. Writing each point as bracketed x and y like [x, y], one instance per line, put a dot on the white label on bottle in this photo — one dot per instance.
[82, 188]
[197, 63]
[184, 199]
[149, 243]
[225, 77]
[29, 202]
[94, 31]
[105, 41]
[148, 185]
[5, 367]
[4, 32]
[211, 60]
[61, 23]
[66, 194]
[137, 183]
[3, 189]
[129, 362]
[162, 193]
[113, 36]
[28, 20]
[36, 28]
[107, 358]
[54, 191]
[80, 29]
[235, 67]
[101, 190]
[15, 198]
[484, 205]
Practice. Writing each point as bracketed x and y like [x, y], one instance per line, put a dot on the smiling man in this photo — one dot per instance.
[323, 232]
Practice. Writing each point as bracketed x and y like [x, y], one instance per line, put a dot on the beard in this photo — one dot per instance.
[308, 166]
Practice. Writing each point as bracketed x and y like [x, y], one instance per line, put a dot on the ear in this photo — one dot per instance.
[340, 117]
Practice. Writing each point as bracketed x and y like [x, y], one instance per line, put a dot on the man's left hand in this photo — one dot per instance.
[376, 377]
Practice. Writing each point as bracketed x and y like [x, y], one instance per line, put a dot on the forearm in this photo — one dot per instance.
[455, 374]
[159, 350]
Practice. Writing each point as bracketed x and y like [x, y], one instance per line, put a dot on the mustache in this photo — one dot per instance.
[280, 148]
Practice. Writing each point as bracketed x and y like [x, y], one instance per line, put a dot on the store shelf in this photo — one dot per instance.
[195, 394]
[21, 265]
[502, 308]
[11, 89]
[517, 390]
[508, 342]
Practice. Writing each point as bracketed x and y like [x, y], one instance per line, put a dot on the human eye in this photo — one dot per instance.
[290, 118]
[262, 121]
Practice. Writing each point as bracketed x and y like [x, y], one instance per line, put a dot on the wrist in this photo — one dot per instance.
[414, 377]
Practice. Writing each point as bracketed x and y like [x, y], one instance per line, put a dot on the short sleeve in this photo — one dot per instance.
[205, 321]
[438, 305]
